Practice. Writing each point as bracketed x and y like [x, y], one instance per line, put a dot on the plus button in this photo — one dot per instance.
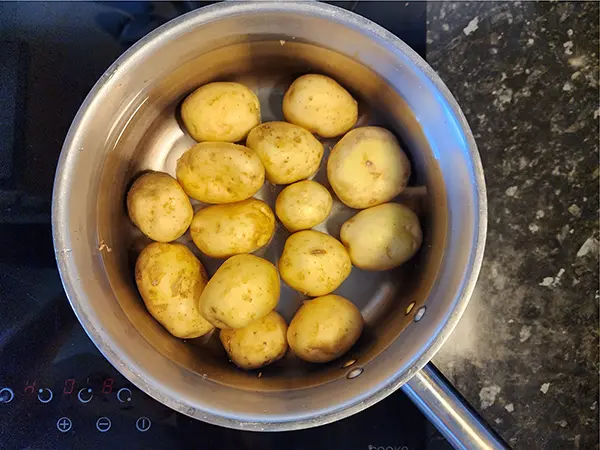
[64, 424]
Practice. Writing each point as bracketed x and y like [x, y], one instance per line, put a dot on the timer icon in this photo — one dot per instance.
[85, 395]
[45, 395]
[6, 395]
[124, 395]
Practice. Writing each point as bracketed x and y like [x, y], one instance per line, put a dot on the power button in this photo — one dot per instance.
[143, 424]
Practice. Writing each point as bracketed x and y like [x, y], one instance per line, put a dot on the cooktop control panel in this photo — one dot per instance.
[70, 395]
[105, 411]
[94, 411]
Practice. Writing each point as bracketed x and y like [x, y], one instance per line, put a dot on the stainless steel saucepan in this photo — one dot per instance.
[129, 123]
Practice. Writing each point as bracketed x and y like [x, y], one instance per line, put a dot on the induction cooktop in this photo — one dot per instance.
[56, 389]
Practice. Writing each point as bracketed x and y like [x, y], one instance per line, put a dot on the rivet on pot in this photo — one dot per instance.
[420, 313]
[348, 363]
[355, 373]
[409, 308]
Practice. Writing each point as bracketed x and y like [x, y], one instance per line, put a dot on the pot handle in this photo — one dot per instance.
[455, 419]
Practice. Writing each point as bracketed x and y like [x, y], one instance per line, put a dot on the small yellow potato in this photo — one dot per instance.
[220, 111]
[221, 231]
[382, 237]
[244, 289]
[319, 104]
[170, 280]
[288, 152]
[324, 328]
[314, 263]
[259, 344]
[367, 167]
[159, 207]
[303, 205]
[220, 172]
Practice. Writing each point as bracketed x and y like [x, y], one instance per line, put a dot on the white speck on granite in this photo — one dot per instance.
[558, 277]
[504, 97]
[523, 162]
[575, 210]
[511, 191]
[577, 61]
[487, 395]
[510, 407]
[553, 281]
[544, 388]
[590, 245]
[472, 26]
[525, 333]
[564, 231]
[568, 47]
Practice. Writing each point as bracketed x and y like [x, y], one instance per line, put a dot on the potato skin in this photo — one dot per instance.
[321, 105]
[314, 263]
[220, 172]
[170, 280]
[303, 205]
[367, 167]
[159, 207]
[324, 328]
[220, 111]
[244, 289]
[288, 152]
[221, 231]
[382, 237]
[259, 344]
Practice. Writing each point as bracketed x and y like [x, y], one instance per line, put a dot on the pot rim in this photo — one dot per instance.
[209, 14]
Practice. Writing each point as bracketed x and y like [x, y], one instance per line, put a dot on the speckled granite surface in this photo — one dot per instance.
[526, 352]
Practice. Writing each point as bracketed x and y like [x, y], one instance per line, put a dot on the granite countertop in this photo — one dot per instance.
[525, 353]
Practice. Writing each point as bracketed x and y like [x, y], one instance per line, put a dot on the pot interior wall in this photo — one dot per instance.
[149, 136]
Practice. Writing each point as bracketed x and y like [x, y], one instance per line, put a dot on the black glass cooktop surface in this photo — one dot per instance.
[56, 389]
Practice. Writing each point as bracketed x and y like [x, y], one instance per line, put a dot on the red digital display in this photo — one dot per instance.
[69, 386]
[107, 386]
